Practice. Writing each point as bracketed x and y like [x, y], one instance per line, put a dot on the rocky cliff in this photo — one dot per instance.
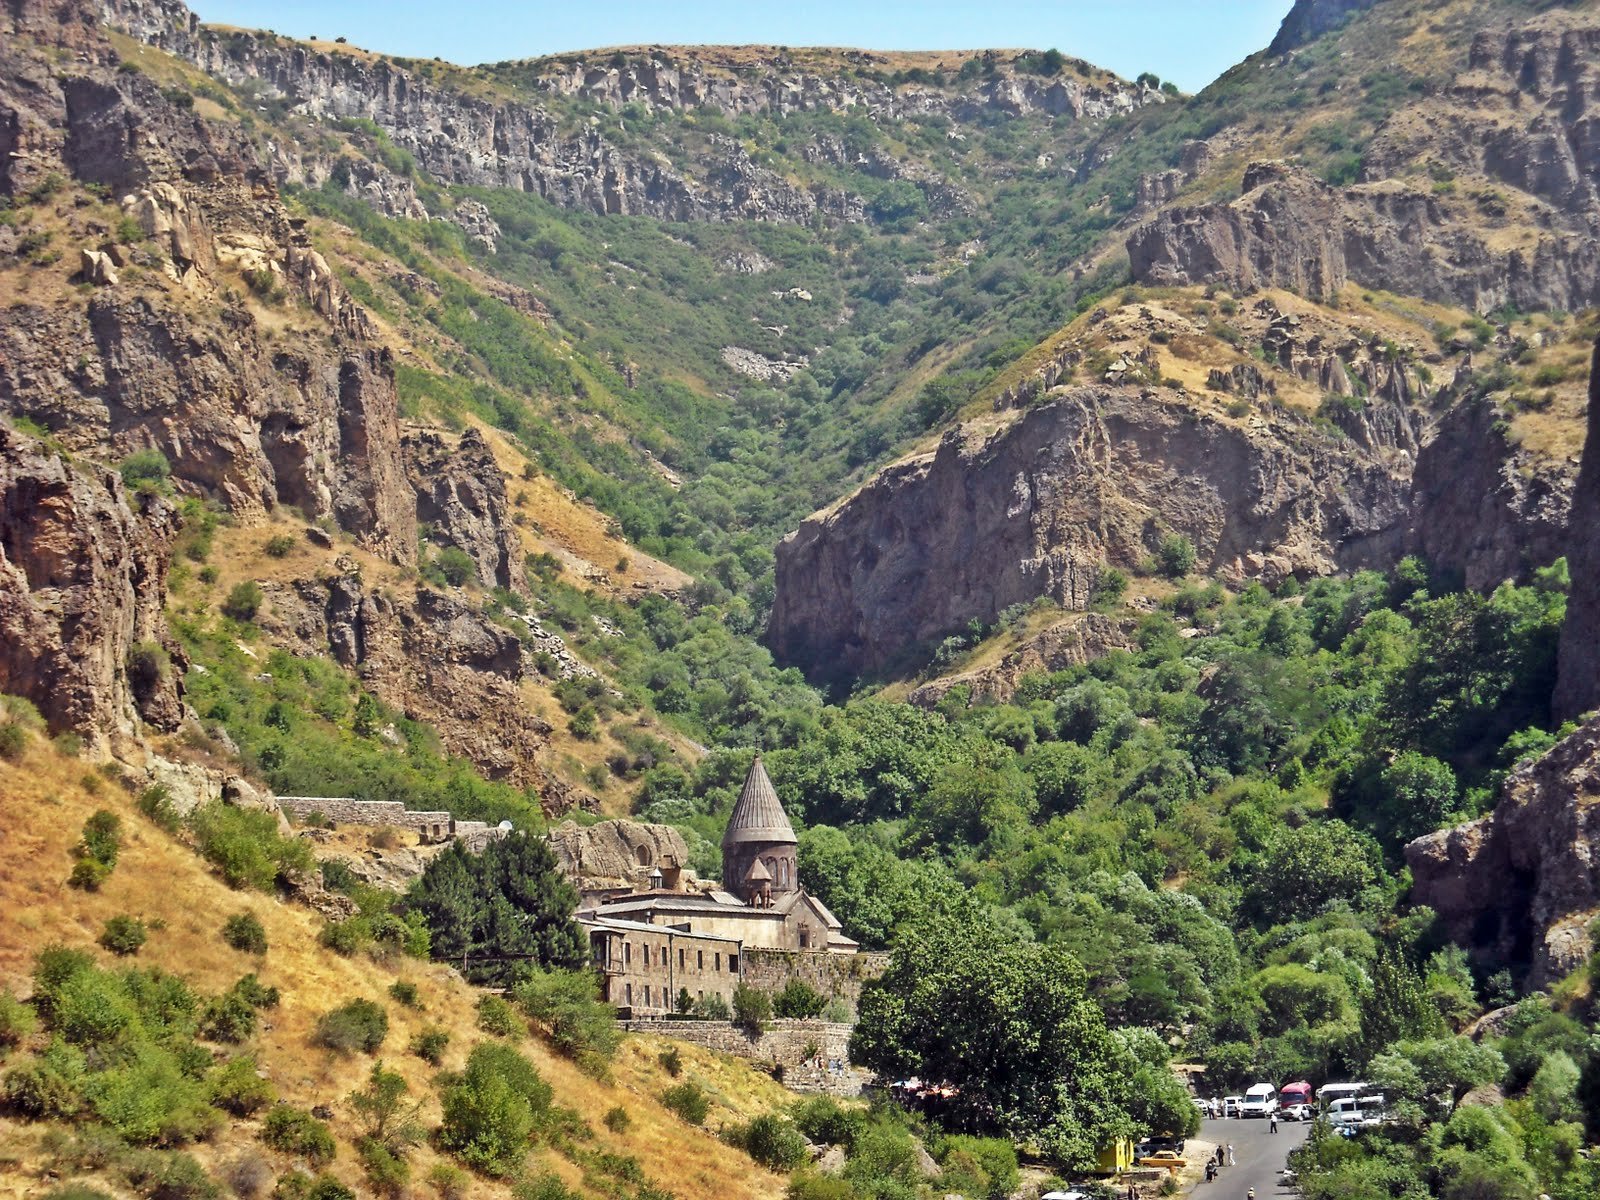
[1004, 512]
[1291, 230]
[461, 499]
[83, 571]
[1521, 885]
[1578, 684]
[1310, 19]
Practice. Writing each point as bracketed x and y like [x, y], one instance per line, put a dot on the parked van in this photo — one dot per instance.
[1260, 1100]
[1231, 1105]
[1355, 1111]
[1328, 1093]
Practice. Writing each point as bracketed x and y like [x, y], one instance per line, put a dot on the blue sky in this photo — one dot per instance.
[1188, 41]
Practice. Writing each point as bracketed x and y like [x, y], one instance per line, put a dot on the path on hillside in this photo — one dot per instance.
[1259, 1156]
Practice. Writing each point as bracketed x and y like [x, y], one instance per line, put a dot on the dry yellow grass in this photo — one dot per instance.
[43, 804]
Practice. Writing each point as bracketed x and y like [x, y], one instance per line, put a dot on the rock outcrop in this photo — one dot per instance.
[82, 583]
[616, 855]
[1291, 230]
[461, 498]
[1037, 503]
[1081, 638]
[1521, 885]
[1479, 509]
[1578, 683]
[432, 657]
[1310, 19]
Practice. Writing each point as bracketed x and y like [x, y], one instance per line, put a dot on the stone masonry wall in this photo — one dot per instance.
[431, 826]
[784, 1043]
[837, 976]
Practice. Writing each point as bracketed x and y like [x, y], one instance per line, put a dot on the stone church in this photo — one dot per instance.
[669, 932]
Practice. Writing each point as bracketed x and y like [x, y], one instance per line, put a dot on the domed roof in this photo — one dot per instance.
[758, 817]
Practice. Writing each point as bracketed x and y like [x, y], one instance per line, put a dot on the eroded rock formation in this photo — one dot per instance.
[1521, 885]
[82, 583]
[1081, 638]
[461, 497]
[616, 854]
[1578, 684]
[1035, 505]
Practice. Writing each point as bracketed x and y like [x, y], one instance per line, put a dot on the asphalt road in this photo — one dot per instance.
[1258, 1154]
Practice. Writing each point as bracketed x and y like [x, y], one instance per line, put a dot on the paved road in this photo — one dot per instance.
[1258, 1154]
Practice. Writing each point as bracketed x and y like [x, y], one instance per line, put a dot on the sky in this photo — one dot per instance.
[1190, 42]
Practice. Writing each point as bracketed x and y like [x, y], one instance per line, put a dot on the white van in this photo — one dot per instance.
[1358, 1110]
[1328, 1093]
[1260, 1100]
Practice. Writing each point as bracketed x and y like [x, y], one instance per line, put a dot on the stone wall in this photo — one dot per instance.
[430, 826]
[837, 976]
[784, 1044]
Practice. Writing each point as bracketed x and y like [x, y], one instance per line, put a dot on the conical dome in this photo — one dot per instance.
[758, 817]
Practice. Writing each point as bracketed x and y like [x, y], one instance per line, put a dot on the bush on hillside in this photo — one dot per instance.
[492, 1108]
[688, 1099]
[567, 1009]
[772, 1141]
[359, 1025]
[798, 999]
[17, 1021]
[124, 935]
[752, 1008]
[238, 1088]
[497, 1018]
[13, 741]
[295, 1131]
[243, 601]
[429, 1045]
[244, 932]
[245, 846]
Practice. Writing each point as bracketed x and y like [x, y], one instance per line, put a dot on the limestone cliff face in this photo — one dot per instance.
[466, 139]
[776, 86]
[1034, 505]
[461, 497]
[1521, 885]
[1578, 685]
[429, 655]
[1291, 230]
[1478, 508]
[82, 583]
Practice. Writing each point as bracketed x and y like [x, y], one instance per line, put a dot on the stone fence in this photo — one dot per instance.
[784, 1043]
[391, 814]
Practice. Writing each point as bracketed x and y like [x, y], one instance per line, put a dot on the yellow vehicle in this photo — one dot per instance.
[1170, 1159]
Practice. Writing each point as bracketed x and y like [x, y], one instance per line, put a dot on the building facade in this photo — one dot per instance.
[670, 934]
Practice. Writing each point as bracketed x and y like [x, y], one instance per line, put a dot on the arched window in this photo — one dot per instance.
[641, 855]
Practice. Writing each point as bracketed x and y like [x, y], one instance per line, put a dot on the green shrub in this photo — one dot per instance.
[429, 1045]
[297, 1185]
[752, 1008]
[245, 846]
[979, 1167]
[402, 992]
[281, 545]
[826, 1122]
[772, 1141]
[49, 1087]
[450, 1182]
[1175, 556]
[346, 937]
[547, 1185]
[295, 1131]
[124, 935]
[102, 838]
[149, 1096]
[492, 1108]
[13, 741]
[88, 874]
[360, 1025]
[567, 1008]
[169, 1176]
[671, 1060]
[236, 1087]
[798, 999]
[689, 1100]
[77, 1191]
[617, 1119]
[712, 1008]
[144, 470]
[244, 932]
[155, 802]
[231, 1017]
[243, 601]
[17, 1021]
[387, 1173]
[498, 1018]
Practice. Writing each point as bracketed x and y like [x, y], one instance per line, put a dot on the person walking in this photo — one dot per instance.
[1231, 1160]
[1272, 1126]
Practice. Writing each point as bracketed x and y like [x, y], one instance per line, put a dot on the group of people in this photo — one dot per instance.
[1223, 1157]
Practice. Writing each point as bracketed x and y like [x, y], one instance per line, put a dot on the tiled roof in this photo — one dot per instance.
[758, 816]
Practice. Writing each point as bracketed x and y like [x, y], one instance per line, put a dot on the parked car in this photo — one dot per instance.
[1232, 1105]
[1170, 1159]
[1299, 1112]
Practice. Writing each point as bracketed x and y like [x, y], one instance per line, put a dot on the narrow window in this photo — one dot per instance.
[700, 960]
[630, 995]
[627, 954]
[733, 964]
[681, 954]
[719, 962]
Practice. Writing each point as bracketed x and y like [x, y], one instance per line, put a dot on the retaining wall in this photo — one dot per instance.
[784, 1043]
[430, 826]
